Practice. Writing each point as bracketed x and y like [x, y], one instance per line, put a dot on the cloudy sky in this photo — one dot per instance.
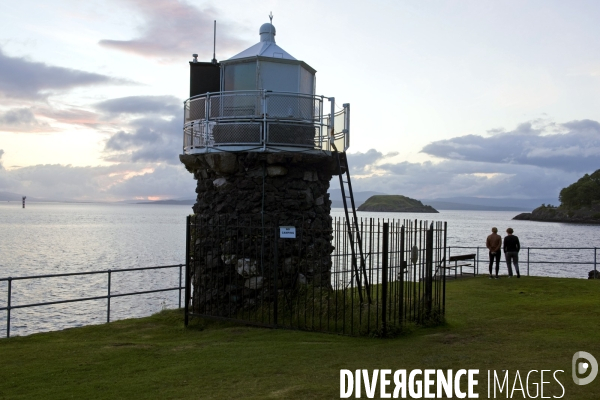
[449, 98]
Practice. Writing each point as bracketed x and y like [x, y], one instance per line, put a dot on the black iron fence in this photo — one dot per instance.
[305, 277]
[111, 293]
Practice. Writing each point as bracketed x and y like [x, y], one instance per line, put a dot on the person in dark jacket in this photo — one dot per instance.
[511, 252]
[494, 243]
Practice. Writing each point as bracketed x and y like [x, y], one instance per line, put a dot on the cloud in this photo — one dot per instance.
[175, 29]
[23, 79]
[124, 181]
[463, 176]
[146, 144]
[70, 115]
[130, 180]
[150, 138]
[21, 120]
[142, 128]
[25, 120]
[104, 115]
[575, 149]
[144, 105]
[144, 148]
[365, 163]
[459, 178]
[165, 182]
[5, 182]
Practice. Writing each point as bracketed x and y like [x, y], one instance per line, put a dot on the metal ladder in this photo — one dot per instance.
[352, 225]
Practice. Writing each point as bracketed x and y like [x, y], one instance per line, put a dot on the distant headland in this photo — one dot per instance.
[549, 213]
[580, 203]
[395, 203]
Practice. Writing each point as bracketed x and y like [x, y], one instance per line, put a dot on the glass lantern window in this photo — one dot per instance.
[278, 77]
[307, 82]
[240, 77]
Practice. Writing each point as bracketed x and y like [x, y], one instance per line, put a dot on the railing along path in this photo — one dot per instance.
[548, 257]
[109, 295]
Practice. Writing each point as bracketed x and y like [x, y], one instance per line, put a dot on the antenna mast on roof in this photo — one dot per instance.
[214, 60]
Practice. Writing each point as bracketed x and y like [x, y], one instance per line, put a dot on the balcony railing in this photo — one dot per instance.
[258, 120]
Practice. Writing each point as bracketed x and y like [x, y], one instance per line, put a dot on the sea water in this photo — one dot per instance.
[52, 238]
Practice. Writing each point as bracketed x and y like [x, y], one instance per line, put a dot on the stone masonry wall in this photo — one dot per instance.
[234, 261]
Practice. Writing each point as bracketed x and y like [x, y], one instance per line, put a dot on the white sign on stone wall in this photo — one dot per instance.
[287, 232]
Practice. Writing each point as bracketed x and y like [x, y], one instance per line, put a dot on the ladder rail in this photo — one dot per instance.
[349, 228]
[358, 236]
[341, 157]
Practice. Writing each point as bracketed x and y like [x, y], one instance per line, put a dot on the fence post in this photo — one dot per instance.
[8, 307]
[403, 268]
[528, 261]
[429, 271]
[187, 272]
[108, 299]
[444, 275]
[275, 264]
[477, 262]
[384, 277]
[179, 298]
[595, 270]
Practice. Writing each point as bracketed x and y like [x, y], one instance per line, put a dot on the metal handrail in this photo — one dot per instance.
[108, 296]
[262, 108]
[529, 261]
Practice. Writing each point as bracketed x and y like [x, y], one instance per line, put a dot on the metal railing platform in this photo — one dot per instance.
[260, 120]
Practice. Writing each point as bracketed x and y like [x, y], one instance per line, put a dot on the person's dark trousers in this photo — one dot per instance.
[496, 256]
[514, 257]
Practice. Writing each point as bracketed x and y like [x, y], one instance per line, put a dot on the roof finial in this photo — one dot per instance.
[271, 16]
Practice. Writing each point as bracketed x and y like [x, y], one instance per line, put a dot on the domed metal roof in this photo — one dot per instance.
[266, 47]
[267, 33]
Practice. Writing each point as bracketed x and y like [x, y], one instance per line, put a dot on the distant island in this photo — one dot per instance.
[170, 202]
[579, 203]
[456, 203]
[395, 203]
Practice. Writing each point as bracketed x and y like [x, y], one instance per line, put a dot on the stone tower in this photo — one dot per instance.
[258, 140]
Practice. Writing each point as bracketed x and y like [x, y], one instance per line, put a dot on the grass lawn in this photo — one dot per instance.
[507, 324]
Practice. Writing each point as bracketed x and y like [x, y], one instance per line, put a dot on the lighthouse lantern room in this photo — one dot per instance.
[262, 99]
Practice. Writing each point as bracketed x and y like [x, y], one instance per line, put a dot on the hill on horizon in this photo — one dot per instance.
[445, 203]
[395, 203]
[492, 204]
[8, 196]
[455, 203]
